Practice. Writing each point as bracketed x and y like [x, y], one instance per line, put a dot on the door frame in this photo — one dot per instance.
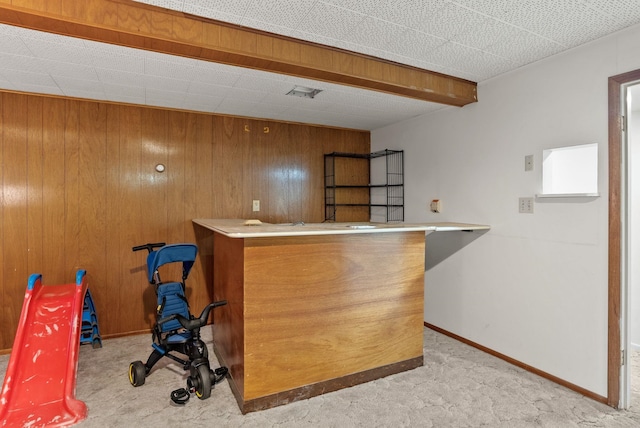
[616, 144]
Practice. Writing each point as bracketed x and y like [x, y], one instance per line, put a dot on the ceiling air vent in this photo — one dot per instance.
[301, 91]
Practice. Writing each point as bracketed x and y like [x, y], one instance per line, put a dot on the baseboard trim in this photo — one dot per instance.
[308, 391]
[320, 388]
[552, 378]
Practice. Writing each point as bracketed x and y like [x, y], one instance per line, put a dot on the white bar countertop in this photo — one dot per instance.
[239, 228]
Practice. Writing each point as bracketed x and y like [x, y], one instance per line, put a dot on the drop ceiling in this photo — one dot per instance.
[471, 39]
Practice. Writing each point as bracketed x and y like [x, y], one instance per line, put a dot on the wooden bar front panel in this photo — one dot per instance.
[319, 308]
[228, 320]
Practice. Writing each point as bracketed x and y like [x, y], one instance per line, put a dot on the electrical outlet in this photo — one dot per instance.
[256, 205]
[528, 163]
[525, 205]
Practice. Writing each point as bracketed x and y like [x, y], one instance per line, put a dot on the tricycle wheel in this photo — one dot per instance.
[137, 373]
[203, 382]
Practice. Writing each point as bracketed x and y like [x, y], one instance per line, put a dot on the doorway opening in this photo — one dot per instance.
[620, 242]
[630, 391]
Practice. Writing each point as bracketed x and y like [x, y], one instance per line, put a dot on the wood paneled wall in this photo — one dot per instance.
[78, 189]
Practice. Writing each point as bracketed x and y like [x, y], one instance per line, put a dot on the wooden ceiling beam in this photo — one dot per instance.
[137, 25]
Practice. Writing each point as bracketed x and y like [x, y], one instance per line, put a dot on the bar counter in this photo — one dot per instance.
[314, 308]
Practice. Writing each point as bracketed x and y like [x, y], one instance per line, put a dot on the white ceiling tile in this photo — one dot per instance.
[374, 33]
[69, 83]
[231, 11]
[580, 24]
[409, 13]
[209, 90]
[239, 107]
[262, 84]
[283, 13]
[485, 65]
[499, 9]
[56, 51]
[561, 21]
[203, 102]
[121, 98]
[486, 32]
[172, 68]
[162, 83]
[213, 74]
[281, 102]
[113, 76]
[246, 95]
[328, 21]
[326, 118]
[414, 44]
[524, 47]
[450, 54]
[78, 93]
[33, 64]
[200, 108]
[28, 35]
[234, 7]
[156, 96]
[114, 90]
[13, 45]
[449, 21]
[624, 10]
[122, 62]
[6, 83]
[163, 103]
[19, 62]
[38, 89]
[361, 6]
[167, 4]
[274, 109]
[10, 30]
[28, 78]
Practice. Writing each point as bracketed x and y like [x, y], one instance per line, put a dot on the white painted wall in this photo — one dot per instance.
[535, 286]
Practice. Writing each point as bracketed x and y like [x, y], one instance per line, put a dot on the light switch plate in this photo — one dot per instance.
[525, 205]
[528, 163]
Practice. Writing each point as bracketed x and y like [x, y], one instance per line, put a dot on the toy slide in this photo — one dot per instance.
[40, 383]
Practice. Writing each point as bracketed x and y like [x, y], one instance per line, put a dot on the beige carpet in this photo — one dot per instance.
[457, 387]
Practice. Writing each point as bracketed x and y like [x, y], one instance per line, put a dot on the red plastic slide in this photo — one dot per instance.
[40, 383]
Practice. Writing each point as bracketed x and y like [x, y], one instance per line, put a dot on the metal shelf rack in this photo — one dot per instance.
[343, 186]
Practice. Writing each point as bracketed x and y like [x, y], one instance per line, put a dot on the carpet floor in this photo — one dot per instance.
[458, 386]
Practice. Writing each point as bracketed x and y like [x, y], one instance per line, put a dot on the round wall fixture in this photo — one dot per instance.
[160, 167]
